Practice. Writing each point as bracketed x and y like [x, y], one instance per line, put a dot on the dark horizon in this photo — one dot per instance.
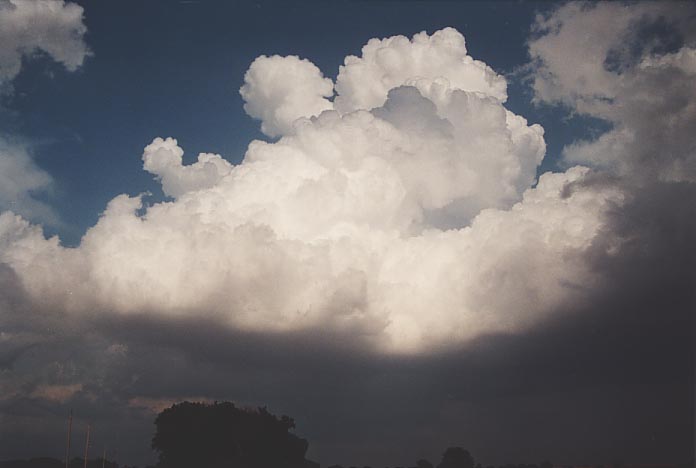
[164, 439]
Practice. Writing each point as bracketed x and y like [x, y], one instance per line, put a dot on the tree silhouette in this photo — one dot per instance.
[456, 457]
[220, 435]
[45, 462]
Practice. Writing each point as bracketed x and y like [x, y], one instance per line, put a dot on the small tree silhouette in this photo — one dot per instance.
[220, 435]
[456, 457]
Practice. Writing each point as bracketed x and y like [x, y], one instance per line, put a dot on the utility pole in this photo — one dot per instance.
[67, 448]
[86, 445]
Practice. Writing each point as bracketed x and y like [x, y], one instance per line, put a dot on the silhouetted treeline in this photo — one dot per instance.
[55, 463]
[97, 463]
[457, 457]
[221, 435]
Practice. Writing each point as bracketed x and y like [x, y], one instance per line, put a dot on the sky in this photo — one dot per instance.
[408, 225]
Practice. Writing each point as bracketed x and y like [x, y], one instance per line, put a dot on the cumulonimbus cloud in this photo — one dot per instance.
[401, 216]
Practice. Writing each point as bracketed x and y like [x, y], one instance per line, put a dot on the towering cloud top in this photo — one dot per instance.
[398, 217]
[363, 82]
[279, 90]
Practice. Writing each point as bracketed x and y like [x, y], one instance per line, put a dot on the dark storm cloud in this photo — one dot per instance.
[595, 376]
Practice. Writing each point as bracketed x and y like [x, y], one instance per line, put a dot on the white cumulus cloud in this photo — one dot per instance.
[363, 82]
[279, 90]
[20, 181]
[163, 158]
[28, 27]
[53, 27]
[402, 223]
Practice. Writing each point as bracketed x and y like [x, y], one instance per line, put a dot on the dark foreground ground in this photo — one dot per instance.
[46, 462]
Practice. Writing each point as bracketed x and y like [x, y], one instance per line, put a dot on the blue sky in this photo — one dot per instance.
[175, 69]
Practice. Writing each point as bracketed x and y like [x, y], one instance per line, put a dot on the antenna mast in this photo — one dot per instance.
[86, 445]
[67, 448]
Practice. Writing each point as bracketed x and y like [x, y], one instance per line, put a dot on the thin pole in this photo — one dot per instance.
[86, 445]
[67, 448]
[104, 457]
